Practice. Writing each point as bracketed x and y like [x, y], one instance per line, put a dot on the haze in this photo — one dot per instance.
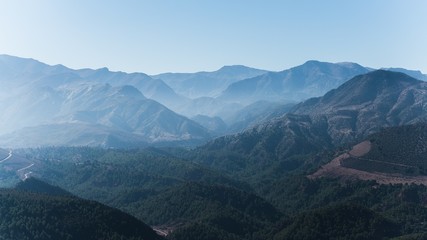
[188, 36]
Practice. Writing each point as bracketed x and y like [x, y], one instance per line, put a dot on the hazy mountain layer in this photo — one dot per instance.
[54, 105]
[207, 84]
[361, 106]
[311, 79]
[367, 103]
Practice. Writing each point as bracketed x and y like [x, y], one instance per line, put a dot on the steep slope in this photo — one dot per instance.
[207, 84]
[51, 216]
[311, 79]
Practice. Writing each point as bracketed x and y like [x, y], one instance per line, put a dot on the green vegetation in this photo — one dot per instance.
[235, 213]
[344, 222]
[398, 150]
[37, 216]
[245, 189]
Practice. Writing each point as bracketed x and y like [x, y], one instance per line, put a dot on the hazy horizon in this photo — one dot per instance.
[189, 36]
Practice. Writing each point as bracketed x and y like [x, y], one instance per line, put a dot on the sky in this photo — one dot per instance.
[203, 35]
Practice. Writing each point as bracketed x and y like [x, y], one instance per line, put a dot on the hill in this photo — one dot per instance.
[232, 213]
[29, 214]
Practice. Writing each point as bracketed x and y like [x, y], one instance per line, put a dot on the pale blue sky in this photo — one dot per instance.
[193, 35]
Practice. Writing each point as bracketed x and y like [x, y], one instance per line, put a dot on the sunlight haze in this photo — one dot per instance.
[188, 36]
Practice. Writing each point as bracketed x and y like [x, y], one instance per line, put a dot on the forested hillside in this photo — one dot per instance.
[47, 213]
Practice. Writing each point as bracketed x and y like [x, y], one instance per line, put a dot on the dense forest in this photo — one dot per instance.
[34, 210]
[167, 188]
[400, 150]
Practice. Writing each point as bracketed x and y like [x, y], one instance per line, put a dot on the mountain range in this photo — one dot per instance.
[207, 84]
[363, 105]
[54, 105]
[45, 105]
[311, 79]
[290, 162]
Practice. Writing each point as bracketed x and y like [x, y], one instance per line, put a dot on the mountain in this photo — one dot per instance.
[16, 72]
[366, 103]
[54, 105]
[151, 88]
[207, 84]
[359, 107]
[49, 215]
[311, 79]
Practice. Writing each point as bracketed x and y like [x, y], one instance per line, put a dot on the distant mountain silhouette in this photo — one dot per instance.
[53, 105]
[311, 79]
[207, 84]
[367, 103]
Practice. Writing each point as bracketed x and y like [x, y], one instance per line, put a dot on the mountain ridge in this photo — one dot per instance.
[310, 79]
[339, 117]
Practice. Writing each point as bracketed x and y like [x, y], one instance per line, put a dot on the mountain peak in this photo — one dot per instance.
[373, 88]
[128, 90]
[312, 62]
[384, 76]
[237, 69]
[232, 67]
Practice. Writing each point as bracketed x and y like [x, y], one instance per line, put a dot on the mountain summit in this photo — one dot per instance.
[313, 78]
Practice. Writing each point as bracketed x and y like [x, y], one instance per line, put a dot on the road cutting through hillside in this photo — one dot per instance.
[335, 169]
[8, 157]
[26, 175]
